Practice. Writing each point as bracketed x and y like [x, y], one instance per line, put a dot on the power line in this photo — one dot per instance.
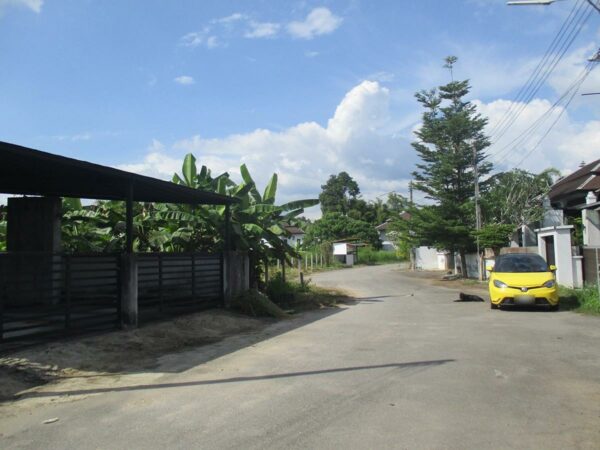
[533, 75]
[512, 145]
[579, 18]
[569, 94]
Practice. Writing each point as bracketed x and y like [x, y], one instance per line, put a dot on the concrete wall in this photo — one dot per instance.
[591, 263]
[33, 224]
[426, 258]
[236, 274]
[562, 252]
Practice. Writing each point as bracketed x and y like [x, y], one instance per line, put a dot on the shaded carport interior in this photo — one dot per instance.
[30, 172]
[25, 171]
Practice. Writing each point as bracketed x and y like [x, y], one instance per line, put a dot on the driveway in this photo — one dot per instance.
[405, 367]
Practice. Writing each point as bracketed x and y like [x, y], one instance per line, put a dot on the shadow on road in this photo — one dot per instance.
[406, 365]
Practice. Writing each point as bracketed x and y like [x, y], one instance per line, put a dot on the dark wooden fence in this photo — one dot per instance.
[45, 294]
[172, 283]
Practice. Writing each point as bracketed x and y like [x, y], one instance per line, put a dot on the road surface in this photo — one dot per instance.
[405, 367]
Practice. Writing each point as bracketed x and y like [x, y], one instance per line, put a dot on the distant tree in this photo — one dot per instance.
[494, 236]
[516, 197]
[336, 226]
[337, 193]
[449, 142]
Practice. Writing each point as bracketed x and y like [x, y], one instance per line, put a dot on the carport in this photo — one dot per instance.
[44, 290]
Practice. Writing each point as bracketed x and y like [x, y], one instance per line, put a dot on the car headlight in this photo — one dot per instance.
[500, 284]
[550, 284]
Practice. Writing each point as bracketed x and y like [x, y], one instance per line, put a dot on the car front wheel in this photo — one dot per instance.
[493, 306]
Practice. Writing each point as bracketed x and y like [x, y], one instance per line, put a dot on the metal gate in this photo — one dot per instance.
[44, 294]
[174, 283]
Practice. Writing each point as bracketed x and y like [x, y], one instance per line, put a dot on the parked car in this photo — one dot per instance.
[522, 279]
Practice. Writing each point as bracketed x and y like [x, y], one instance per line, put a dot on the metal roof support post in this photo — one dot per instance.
[129, 270]
[129, 220]
[227, 227]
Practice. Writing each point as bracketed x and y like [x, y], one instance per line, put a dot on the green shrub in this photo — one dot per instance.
[367, 255]
[583, 300]
[255, 303]
[282, 292]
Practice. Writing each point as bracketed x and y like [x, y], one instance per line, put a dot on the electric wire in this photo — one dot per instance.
[580, 18]
[550, 50]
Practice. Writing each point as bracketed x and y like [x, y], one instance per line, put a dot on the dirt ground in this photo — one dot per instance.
[118, 352]
[435, 277]
[147, 352]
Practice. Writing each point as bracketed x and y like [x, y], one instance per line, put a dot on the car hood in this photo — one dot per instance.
[527, 279]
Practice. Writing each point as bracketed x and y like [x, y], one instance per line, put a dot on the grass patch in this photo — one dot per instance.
[283, 298]
[369, 256]
[583, 300]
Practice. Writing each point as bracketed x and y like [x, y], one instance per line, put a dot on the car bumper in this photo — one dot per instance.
[533, 297]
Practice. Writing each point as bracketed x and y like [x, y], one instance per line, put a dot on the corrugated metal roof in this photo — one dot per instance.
[32, 172]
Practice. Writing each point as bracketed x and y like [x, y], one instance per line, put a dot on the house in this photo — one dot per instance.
[386, 234]
[346, 252]
[296, 236]
[575, 196]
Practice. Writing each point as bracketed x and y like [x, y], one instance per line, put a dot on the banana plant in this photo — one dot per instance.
[257, 223]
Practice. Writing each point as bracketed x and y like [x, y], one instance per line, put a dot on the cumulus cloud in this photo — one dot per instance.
[354, 139]
[33, 5]
[567, 144]
[185, 80]
[200, 38]
[262, 29]
[318, 22]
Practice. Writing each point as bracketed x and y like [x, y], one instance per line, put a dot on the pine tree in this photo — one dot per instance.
[449, 142]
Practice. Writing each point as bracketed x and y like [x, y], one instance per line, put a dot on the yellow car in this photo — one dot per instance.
[522, 279]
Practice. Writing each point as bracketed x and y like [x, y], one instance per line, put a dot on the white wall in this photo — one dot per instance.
[562, 252]
[426, 258]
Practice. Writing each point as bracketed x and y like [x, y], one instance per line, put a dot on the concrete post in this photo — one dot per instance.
[591, 223]
[562, 252]
[129, 290]
[236, 275]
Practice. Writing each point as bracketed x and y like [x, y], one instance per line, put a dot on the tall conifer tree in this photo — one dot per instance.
[449, 142]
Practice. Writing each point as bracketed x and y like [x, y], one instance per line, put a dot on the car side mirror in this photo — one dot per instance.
[552, 268]
[489, 268]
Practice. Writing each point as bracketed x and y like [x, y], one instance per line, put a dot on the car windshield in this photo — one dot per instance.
[521, 264]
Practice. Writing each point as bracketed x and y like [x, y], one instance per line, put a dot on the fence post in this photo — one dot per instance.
[283, 270]
[160, 282]
[266, 271]
[129, 290]
[193, 277]
[67, 291]
[597, 274]
[2, 301]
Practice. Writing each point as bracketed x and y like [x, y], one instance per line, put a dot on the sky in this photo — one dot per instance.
[305, 89]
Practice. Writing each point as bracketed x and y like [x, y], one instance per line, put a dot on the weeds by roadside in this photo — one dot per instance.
[369, 256]
[283, 298]
[583, 300]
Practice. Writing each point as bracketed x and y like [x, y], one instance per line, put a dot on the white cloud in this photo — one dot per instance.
[33, 5]
[185, 80]
[262, 29]
[318, 22]
[235, 17]
[197, 38]
[568, 143]
[311, 54]
[306, 154]
[85, 136]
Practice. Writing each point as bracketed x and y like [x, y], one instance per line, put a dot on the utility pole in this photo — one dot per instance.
[410, 192]
[477, 209]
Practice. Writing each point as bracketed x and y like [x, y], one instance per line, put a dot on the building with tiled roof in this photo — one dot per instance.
[570, 192]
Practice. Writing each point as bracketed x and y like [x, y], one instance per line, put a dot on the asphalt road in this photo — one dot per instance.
[405, 367]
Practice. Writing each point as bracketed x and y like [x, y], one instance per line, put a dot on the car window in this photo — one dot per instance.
[521, 264]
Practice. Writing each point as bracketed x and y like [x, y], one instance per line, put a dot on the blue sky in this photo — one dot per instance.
[301, 88]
